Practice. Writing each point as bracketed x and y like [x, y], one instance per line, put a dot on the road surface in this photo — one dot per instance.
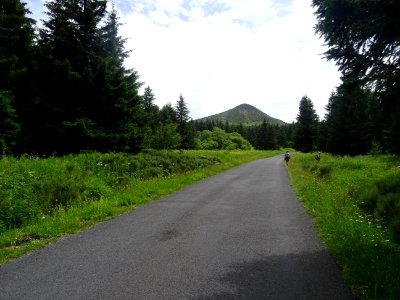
[241, 234]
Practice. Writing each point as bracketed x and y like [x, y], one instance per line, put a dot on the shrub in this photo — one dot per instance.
[31, 188]
[382, 200]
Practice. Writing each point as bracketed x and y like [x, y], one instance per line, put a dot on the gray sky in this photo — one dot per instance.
[222, 53]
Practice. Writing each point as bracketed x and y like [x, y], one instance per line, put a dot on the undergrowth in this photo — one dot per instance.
[355, 204]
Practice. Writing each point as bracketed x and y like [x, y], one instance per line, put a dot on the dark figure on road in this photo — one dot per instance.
[287, 157]
[318, 156]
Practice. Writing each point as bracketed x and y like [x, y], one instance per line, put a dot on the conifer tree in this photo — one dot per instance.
[88, 99]
[305, 135]
[16, 64]
[9, 129]
[185, 128]
[347, 126]
[266, 137]
[363, 40]
[150, 109]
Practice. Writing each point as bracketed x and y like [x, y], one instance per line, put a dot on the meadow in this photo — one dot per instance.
[42, 199]
[355, 203]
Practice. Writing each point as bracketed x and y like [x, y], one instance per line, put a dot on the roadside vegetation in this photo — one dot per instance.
[355, 203]
[45, 198]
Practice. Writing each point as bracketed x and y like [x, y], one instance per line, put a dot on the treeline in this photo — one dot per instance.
[352, 126]
[265, 136]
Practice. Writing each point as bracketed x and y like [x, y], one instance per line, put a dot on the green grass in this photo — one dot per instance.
[42, 199]
[360, 235]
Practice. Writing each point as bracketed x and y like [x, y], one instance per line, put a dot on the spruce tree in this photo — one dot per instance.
[88, 99]
[150, 109]
[185, 128]
[16, 65]
[347, 126]
[363, 39]
[305, 135]
[9, 129]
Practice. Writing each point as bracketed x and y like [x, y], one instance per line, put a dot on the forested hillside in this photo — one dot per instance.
[245, 114]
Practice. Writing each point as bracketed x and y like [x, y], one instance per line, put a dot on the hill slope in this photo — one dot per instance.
[245, 114]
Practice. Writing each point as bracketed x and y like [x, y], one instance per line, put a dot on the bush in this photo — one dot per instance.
[31, 188]
[218, 139]
[382, 200]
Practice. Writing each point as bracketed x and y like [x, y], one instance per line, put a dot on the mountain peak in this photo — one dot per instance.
[245, 114]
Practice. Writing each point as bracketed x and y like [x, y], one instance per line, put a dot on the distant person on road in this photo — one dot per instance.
[287, 157]
[318, 156]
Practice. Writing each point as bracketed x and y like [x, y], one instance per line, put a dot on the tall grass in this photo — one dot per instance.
[342, 193]
[41, 199]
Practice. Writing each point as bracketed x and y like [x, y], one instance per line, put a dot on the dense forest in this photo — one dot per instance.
[64, 87]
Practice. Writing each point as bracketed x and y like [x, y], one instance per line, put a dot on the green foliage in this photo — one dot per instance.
[31, 187]
[166, 136]
[16, 36]
[263, 136]
[9, 128]
[185, 128]
[363, 39]
[348, 126]
[367, 253]
[218, 139]
[382, 200]
[82, 98]
[305, 135]
[266, 137]
[362, 35]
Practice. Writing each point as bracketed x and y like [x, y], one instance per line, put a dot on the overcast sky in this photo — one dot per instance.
[222, 53]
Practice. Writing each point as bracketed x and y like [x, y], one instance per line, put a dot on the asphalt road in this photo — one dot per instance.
[238, 235]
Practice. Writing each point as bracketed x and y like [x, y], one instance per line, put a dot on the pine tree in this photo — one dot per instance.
[182, 112]
[151, 110]
[363, 39]
[16, 40]
[347, 126]
[167, 114]
[88, 99]
[305, 134]
[69, 44]
[185, 128]
[16, 65]
[9, 129]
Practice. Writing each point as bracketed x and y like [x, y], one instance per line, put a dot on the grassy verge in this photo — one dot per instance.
[363, 238]
[43, 199]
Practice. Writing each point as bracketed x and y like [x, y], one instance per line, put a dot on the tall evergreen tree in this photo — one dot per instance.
[88, 99]
[151, 110]
[16, 41]
[348, 129]
[167, 114]
[16, 64]
[306, 127]
[182, 111]
[9, 129]
[185, 128]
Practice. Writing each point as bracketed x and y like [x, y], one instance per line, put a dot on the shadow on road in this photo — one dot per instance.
[306, 276]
